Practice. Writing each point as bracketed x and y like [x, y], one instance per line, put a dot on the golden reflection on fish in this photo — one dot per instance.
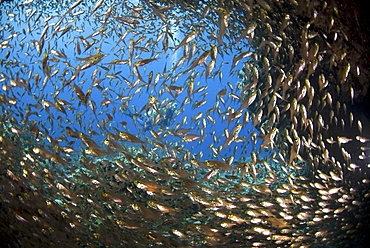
[154, 133]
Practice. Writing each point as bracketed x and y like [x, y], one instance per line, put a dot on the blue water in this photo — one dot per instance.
[81, 117]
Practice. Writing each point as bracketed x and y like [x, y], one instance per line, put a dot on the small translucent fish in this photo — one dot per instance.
[191, 137]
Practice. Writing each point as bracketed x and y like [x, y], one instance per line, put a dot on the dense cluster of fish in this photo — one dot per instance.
[275, 157]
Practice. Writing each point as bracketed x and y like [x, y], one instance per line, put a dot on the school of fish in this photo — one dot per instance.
[74, 174]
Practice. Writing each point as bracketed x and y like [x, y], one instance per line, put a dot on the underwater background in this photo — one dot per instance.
[184, 124]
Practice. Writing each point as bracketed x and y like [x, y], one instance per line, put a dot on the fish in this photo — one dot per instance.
[197, 104]
[191, 137]
[248, 101]
[233, 135]
[130, 138]
[188, 38]
[249, 30]
[237, 58]
[201, 59]
[223, 22]
[144, 62]
[210, 67]
[240, 125]
[97, 6]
